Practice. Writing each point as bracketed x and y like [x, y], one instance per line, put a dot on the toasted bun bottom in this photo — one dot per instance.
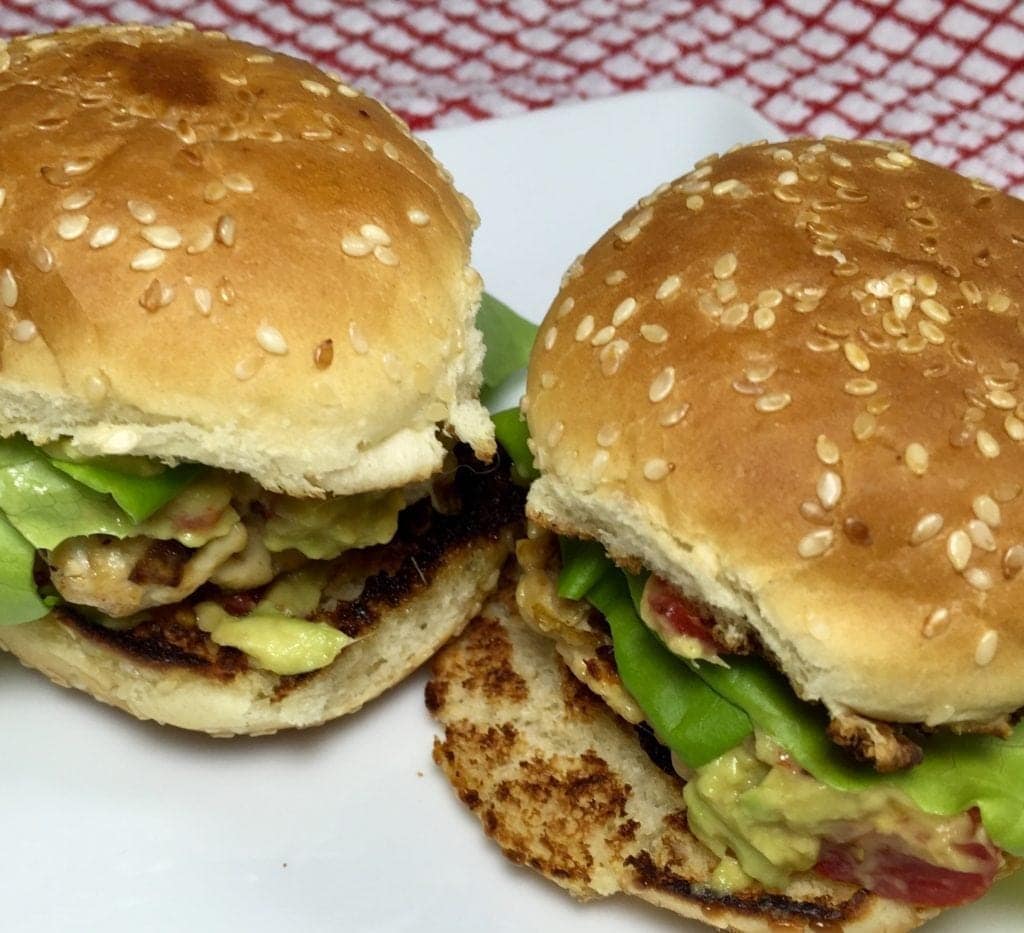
[563, 785]
[405, 636]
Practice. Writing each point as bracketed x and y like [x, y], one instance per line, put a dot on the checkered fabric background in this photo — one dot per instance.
[947, 76]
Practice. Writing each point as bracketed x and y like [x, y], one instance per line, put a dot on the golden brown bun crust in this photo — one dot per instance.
[301, 307]
[825, 350]
[563, 786]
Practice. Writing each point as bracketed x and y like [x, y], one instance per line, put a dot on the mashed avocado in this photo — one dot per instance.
[773, 817]
[323, 528]
[196, 515]
[275, 634]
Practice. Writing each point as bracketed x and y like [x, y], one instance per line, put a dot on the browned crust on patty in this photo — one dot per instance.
[395, 573]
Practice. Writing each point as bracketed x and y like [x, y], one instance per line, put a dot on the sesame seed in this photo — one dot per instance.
[41, 258]
[213, 192]
[104, 235]
[565, 307]
[3, 196]
[998, 304]
[788, 177]
[981, 535]
[203, 300]
[624, 311]
[987, 444]
[121, 441]
[653, 333]
[550, 336]
[958, 549]
[735, 315]
[356, 339]
[864, 426]
[764, 318]
[694, 202]
[936, 623]
[8, 288]
[668, 287]
[77, 200]
[418, 218]
[916, 458]
[815, 543]
[1007, 492]
[385, 255]
[1013, 561]
[585, 328]
[201, 242]
[162, 236]
[860, 387]
[1014, 427]
[603, 336]
[813, 512]
[927, 527]
[986, 649]
[979, 578]
[662, 384]
[608, 435]
[612, 356]
[760, 372]
[315, 87]
[830, 489]
[226, 230]
[247, 367]
[1000, 398]
[827, 450]
[375, 235]
[24, 331]
[271, 340]
[725, 266]
[548, 380]
[856, 356]
[725, 186]
[786, 196]
[352, 244]
[323, 354]
[774, 401]
[148, 259]
[239, 183]
[818, 343]
[936, 310]
[673, 417]
[656, 469]
[987, 510]
[72, 226]
[144, 213]
[78, 166]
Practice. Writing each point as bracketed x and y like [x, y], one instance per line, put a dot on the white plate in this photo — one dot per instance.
[112, 824]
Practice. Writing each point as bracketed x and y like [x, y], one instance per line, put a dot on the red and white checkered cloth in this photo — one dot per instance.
[947, 76]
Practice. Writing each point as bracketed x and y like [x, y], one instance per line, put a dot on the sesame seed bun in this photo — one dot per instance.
[789, 382]
[216, 253]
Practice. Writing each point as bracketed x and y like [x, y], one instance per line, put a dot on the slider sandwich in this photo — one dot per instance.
[245, 480]
[778, 417]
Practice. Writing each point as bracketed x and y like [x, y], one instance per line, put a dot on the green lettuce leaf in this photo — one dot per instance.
[687, 715]
[507, 337]
[19, 600]
[139, 496]
[957, 773]
[48, 507]
[510, 430]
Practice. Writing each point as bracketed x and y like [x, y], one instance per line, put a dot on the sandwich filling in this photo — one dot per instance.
[766, 789]
[203, 562]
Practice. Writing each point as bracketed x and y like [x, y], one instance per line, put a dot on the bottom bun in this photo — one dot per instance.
[564, 786]
[253, 702]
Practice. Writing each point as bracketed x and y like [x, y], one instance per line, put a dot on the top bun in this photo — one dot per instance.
[216, 253]
[790, 382]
